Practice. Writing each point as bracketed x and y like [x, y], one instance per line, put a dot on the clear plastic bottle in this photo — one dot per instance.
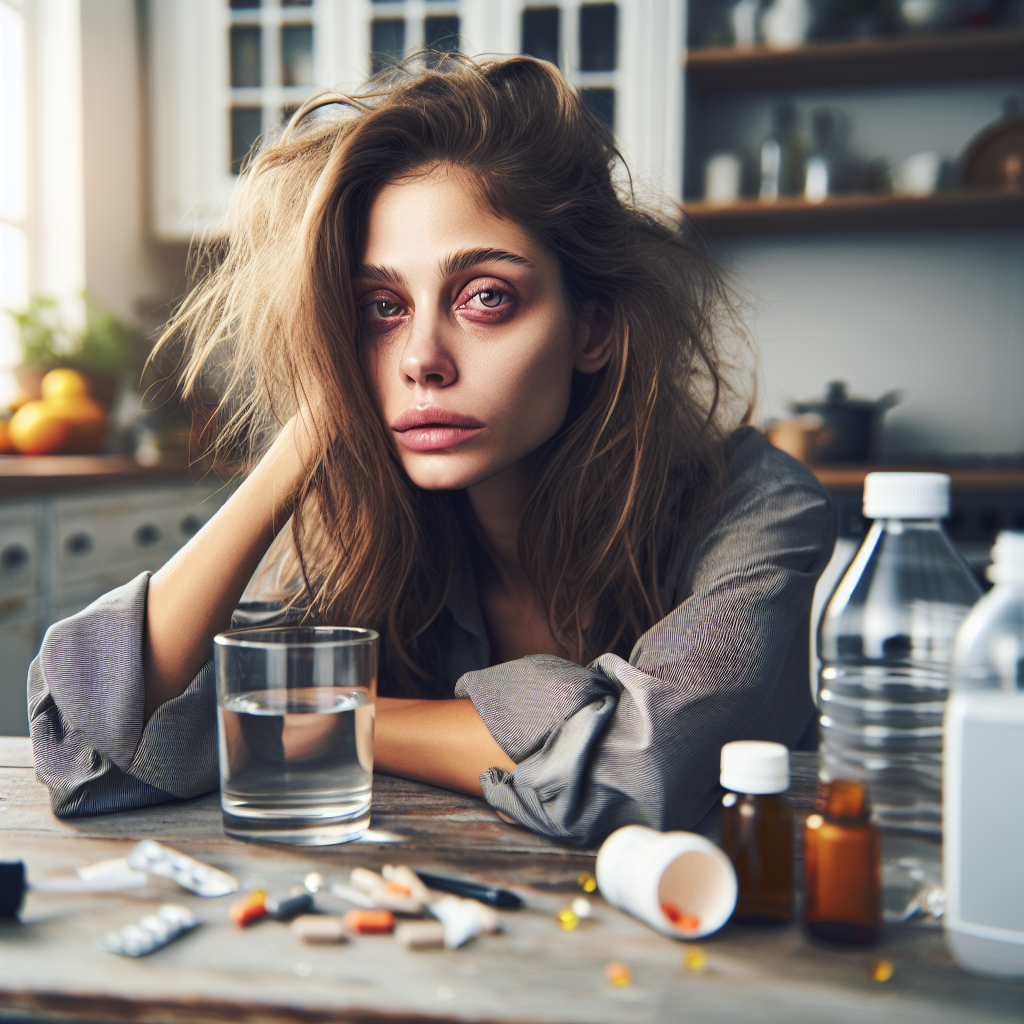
[886, 641]
[983, 866]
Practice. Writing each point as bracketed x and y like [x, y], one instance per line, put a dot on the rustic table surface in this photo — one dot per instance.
[52, 969]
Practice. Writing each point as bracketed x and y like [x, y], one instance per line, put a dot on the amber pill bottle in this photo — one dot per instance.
[843, 865]
[757, 829]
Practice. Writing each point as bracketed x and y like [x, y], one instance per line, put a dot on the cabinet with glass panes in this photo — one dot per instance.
[226, 71]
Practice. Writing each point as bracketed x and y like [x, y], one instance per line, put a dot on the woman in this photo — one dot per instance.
[503, 447]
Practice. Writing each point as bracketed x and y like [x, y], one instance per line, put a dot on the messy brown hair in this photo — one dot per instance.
[639, 461]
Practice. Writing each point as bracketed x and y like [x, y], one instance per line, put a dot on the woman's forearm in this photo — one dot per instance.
[442, 742]
[192, 597]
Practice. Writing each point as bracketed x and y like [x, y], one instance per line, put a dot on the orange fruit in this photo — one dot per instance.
[85, 418]
[36, 430]
[62, 383]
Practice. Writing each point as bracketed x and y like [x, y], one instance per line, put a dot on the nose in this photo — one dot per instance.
[426, 362]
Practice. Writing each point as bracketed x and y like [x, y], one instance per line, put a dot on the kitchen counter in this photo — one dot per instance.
[31, 476]
[51, 969]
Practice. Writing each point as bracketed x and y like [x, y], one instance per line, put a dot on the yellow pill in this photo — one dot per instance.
[588, 883]
[567, 920]
[695, 958]
[618, 974]
[881, 970]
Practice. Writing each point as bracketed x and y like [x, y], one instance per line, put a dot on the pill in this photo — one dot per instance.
[581, 907]
[369, 922]
[314, 881]
[567, 920]
[284, 908]
[366, 881]
[618, 974]
[682, 920]
[588, 883]
[397, 889]
[420, 934]
[251, 909]
[881, 970]
[403, 875]
[319, 928]
[695, 958]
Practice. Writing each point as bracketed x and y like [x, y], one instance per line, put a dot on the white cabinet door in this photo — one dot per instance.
[20, 634]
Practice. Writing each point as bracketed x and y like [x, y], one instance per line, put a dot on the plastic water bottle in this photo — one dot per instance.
[983, 847]
[886, 641]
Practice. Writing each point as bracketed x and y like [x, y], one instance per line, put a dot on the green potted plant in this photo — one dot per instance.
[105, 352]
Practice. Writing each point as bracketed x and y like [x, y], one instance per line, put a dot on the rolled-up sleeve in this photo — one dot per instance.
[623, 742]
[86, 708]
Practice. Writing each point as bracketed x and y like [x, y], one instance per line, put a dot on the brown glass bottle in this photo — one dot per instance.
[843, 866]
[757, 836]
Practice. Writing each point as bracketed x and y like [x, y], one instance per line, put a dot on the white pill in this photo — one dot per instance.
[420, 934]
[319, 928]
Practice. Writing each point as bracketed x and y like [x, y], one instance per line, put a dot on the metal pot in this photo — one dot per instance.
[851, 427]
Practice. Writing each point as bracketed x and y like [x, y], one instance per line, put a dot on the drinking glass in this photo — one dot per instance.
[295, 712]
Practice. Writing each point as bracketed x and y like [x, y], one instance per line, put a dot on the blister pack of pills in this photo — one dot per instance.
[153, 932]
[194, 875]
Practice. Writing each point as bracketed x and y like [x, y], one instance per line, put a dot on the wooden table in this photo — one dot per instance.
[51, 968]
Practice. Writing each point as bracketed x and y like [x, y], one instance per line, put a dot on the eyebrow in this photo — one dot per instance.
[457, 263]
[460, 262]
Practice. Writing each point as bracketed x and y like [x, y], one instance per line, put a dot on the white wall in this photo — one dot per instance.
[940, 315]
[125, 269]
[937, 313]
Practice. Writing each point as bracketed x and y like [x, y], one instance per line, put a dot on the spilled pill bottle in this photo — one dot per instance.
[843, 865]
[757, 829]
[679, 883]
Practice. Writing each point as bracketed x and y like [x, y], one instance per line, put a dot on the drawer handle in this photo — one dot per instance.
[147, 535]
[78, 544]
[13, 557]
[190, 525]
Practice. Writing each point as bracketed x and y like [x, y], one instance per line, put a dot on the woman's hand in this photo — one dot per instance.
[442, 742]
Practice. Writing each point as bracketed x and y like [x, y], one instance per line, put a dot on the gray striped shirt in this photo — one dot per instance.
[612, 743]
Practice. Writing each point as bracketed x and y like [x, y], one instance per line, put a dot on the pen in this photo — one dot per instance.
[488, 894]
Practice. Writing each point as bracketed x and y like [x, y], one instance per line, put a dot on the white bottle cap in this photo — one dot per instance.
[1007, 558]
[906, 495]
[752, 766]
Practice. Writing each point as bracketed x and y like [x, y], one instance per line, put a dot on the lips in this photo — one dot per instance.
[422, 428]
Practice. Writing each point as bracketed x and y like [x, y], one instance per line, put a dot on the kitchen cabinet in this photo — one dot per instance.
[863, 66]
[61, 549]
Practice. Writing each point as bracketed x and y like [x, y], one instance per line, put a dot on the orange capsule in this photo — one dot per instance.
[617, 974]
[680, 918]
[250, 909]
[369, 922]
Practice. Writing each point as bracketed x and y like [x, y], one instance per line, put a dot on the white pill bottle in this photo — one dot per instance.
[983, 776]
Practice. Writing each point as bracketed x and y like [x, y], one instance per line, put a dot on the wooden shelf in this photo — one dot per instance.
[851, 477]
[859, 213]
[979, 54]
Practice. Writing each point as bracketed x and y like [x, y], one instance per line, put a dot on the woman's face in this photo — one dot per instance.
[466, 335]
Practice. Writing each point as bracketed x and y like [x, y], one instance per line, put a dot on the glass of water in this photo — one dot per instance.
[295, 711]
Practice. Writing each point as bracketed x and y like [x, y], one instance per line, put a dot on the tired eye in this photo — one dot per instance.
[381, 309]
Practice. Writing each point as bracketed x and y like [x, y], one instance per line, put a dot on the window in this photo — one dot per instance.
[540, 36]
[14, 253]
[441, 33]
[387, 42]
[598, 32]
[271, 68]
[297, 55]
[246, 56]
